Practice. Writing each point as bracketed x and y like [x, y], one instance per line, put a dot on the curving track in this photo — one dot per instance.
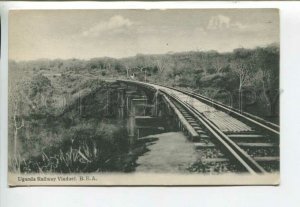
[226, 138]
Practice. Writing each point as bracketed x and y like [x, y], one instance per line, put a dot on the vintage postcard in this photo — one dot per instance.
[144, 97]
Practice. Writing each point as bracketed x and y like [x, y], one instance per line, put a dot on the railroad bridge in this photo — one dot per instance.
[248, 142]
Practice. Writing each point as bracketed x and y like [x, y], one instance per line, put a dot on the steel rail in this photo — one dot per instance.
[240, 155]
[232, 110]
[249, 117]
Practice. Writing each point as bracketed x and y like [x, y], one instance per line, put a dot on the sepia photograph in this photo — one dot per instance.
[144, 97]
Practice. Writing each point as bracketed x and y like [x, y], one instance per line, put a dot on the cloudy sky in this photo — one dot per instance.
[120, 33]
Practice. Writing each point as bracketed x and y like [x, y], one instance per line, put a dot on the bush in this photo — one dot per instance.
[85, 148]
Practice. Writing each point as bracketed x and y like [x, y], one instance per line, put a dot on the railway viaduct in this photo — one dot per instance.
[247, 141]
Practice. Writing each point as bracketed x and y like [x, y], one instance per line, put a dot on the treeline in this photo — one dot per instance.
[244, 73]
[41, 90]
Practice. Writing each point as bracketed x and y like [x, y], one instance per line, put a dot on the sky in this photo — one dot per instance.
[86, 34]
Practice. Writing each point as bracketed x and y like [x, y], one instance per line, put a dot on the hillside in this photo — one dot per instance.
[43, 96]
[255, 71]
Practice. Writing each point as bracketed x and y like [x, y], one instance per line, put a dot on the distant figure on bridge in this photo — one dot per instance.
[132, 76]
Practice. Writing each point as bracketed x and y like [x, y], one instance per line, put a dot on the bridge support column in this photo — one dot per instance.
[131, 126]
[156, 103]
[128, 96]
[121, 102]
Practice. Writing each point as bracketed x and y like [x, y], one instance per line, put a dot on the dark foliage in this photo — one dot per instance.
[44, 96]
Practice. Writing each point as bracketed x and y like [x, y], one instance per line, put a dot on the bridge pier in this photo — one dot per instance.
[141, 121]
[121, 102]
[142, 107]
[156, 104]
[131, 126]
[128, 96]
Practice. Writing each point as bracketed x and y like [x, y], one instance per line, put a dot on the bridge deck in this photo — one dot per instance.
[222, 120]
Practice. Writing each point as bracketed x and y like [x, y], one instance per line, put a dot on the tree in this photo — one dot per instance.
[268, 75]
[219, 63]
[17, 126]
[16, 110]
[161, 65]
[143, 63]
[243, 66]
[27, 98]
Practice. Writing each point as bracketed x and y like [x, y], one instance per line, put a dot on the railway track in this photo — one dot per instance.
[255, 151]
[244, 143]
[247, 117]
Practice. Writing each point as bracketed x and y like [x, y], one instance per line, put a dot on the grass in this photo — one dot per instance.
[103, 149]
